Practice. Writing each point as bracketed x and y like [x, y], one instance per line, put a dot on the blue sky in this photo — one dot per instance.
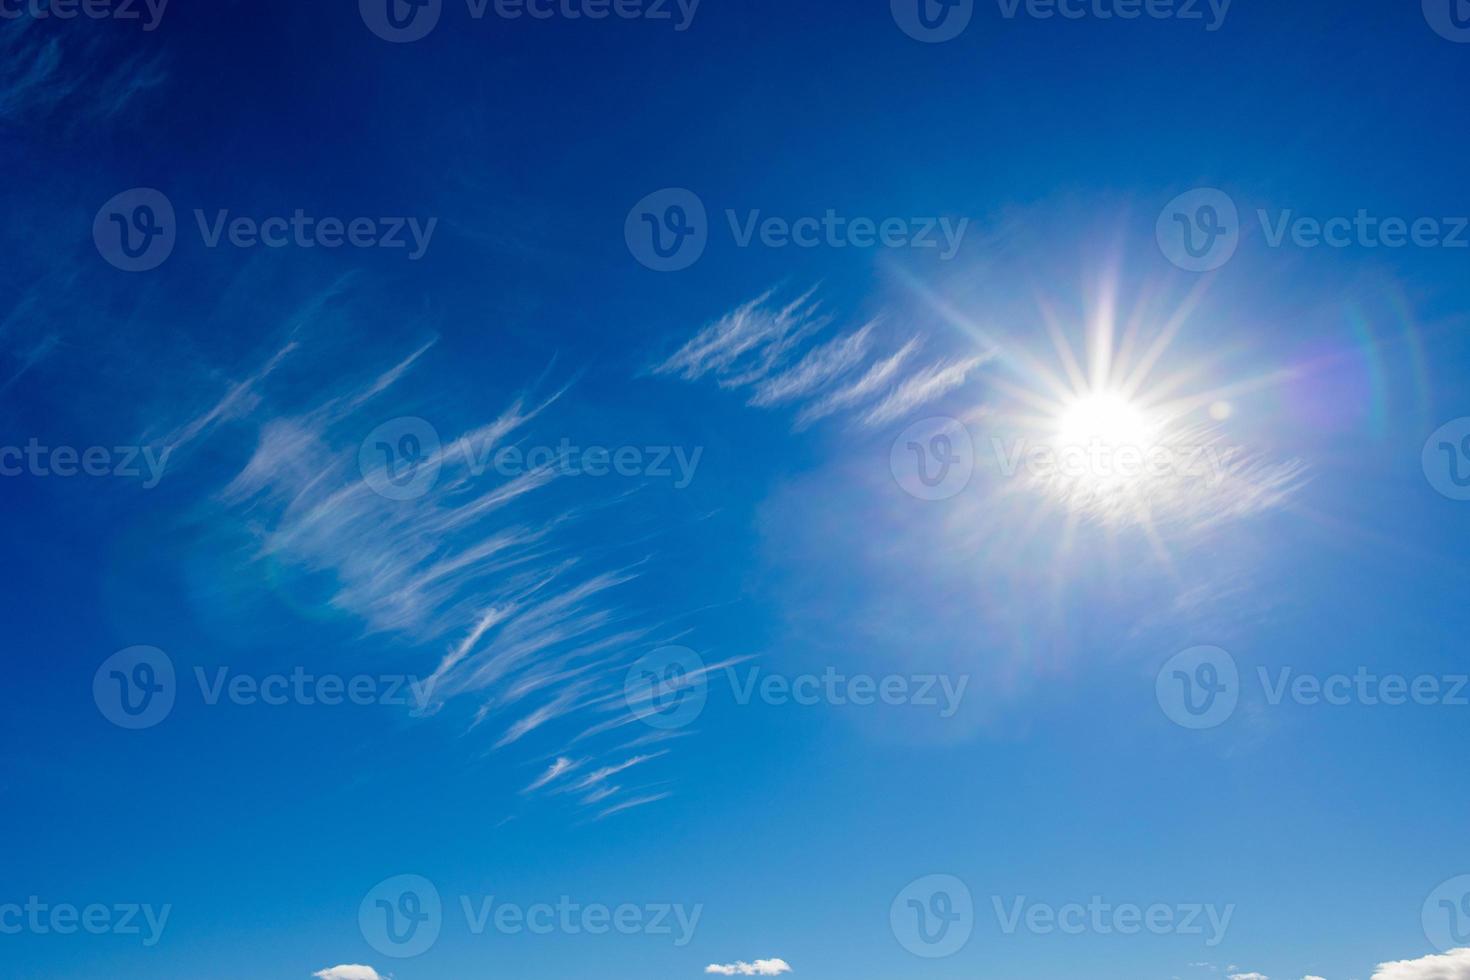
[650, 494]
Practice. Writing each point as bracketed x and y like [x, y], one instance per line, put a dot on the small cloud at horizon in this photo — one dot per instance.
[760, 968]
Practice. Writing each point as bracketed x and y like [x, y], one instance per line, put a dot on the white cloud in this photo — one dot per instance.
[817, 369]
[760, 968]
[1249, 976]
[1310, 977]
[526, 625]
[349, 971]
[766, 349]
[1454, 965]
[878, 376]
[557, 768]
[638, 801]
[923, 386]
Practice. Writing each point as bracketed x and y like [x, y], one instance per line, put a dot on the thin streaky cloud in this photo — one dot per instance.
[754, 346]
[923, 386]
[632, 804]
[745, 343]
[524, 621]
[817, 369]
[559, 768]
[593, 778]
[877, 377]
[239, 400]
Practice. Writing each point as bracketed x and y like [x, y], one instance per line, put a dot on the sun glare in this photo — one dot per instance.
[1106, 418]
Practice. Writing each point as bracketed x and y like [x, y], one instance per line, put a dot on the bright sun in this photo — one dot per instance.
[1107, 418]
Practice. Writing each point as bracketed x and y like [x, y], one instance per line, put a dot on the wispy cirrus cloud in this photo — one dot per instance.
[632, 804]
[770, 350]
[923, 386]
[74, 78]
[477, 565]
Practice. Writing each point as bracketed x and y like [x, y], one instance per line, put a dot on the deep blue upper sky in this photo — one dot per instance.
[789, 546]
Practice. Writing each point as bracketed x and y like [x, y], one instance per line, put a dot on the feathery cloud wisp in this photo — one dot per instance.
[760, 347]
[524, 626]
